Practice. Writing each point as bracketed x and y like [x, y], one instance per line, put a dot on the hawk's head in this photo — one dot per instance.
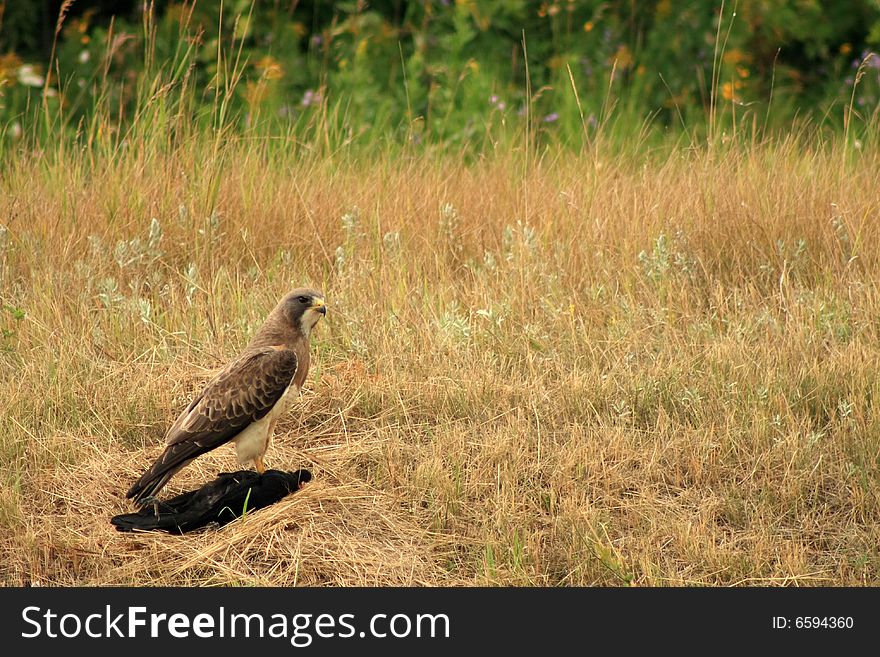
[304, 307]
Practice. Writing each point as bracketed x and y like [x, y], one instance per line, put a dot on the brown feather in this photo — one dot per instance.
[242, 393]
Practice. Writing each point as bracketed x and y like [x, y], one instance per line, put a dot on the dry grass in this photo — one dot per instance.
[594, 370]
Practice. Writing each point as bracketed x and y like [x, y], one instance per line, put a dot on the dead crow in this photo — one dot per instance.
[230, 496]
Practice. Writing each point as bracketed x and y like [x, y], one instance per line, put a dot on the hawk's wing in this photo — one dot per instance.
[242, 393]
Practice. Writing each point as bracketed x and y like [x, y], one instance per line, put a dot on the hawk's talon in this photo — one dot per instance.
[151, 499]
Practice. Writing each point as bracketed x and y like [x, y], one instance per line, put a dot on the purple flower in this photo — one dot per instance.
[550, 118]
[848, 81]
[497, 102]
[874, 62]
[317, 40]
[311, 98]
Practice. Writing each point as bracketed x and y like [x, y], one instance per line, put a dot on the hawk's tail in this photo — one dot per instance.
[166, 466]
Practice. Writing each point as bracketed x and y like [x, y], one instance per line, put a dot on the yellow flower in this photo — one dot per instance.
[9, 65]
[664, 7]
[271, 68]
[845, 49]
[742, 71]
[727, 91]
[588, 26]
[623, 57]
[736, 56]
[299, 29]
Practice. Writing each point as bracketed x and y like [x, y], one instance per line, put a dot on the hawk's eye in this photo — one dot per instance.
[302, 299]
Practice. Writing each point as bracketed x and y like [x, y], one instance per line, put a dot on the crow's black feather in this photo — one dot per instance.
[220, 501]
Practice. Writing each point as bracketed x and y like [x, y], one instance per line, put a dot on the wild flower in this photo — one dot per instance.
[391, 242]
[311, 97]
[449, 228]
[191, 277]
[455, 324]
[270, 68]
[552, 117]
[350, 221]
[134, 251]
[341, 259]
[108, 292]
[28, 76]
[143, 308]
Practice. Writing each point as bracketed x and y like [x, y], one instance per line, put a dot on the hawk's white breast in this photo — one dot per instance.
[254, 439]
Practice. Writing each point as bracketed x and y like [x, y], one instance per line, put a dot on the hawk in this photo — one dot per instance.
[244, 401]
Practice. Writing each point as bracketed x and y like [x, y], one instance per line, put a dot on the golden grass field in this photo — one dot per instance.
[575, 369]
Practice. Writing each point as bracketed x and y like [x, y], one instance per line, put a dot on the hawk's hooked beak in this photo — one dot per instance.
[319, 305]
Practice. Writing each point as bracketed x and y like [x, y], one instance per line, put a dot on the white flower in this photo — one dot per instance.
[84, 56]
[27, 76]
